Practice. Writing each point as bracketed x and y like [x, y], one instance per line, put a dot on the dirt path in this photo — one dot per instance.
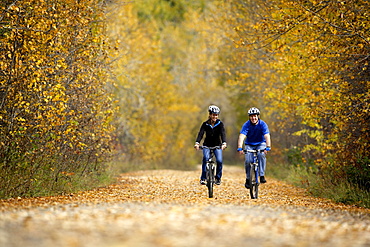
[170, 208]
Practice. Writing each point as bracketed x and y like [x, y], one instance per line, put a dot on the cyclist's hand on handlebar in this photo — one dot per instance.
[240, 151]
[196, 146]
[224, 145]
[267, 149]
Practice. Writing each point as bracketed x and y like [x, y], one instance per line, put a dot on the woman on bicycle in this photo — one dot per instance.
[256, 134]
[215, 136]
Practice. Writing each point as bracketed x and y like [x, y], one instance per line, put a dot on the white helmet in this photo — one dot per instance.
[253, 111]
[213, 109]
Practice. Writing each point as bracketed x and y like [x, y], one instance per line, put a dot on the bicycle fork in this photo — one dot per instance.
[255, 168]
[211, 170]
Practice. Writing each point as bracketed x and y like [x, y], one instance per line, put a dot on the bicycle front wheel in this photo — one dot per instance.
[210, 182]
[210, 189]
[253, 185]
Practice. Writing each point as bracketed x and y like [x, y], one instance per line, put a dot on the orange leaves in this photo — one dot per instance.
[157, 186]
[133, 213]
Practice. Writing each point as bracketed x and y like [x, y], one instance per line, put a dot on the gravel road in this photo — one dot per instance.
[169, 208]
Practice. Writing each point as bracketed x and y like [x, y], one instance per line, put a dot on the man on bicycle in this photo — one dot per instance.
[215, 136]
[256, 134]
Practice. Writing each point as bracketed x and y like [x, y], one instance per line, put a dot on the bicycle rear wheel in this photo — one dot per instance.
[253, 185]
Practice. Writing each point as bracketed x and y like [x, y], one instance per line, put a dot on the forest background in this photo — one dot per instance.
[92, 88]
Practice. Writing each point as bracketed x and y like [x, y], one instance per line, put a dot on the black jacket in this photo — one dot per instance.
[215, 135]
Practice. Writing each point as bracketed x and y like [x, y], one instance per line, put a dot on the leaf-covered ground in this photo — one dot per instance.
[170, 208]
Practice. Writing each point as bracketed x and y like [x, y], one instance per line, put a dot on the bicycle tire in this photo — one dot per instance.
[253, 185]
[210, 181]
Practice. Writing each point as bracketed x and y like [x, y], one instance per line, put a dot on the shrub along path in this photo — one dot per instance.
[170, 208]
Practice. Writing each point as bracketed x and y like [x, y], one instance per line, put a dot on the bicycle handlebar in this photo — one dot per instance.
[205, 147]
[254, 151]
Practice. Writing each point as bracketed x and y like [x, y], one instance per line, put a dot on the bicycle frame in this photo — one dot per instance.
[210, 169]
[255, 166]
[254, 173]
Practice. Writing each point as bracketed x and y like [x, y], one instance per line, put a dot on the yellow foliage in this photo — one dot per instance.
[165, 77]
[53, 73]
[312, 78]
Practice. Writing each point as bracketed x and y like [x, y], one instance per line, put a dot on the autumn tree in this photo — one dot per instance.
[314, 71]
[55, 103]
[166, 74]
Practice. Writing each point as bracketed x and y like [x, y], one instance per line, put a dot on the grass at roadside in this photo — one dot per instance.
[323, 185]
[50, 182]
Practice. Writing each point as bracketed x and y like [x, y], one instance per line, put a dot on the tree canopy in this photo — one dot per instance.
[55, 104]
[80, 79]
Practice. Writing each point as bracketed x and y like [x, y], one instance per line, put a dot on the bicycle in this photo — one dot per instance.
[210, 170]
[254, 173]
